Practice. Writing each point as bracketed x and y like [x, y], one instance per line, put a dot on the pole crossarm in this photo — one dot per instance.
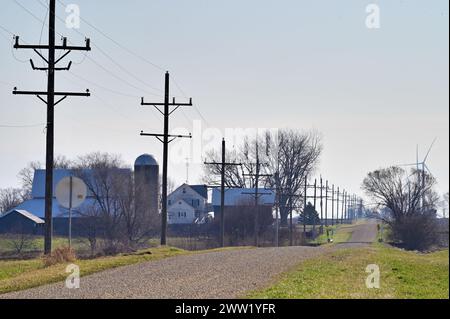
[173, 104]
[64, 47]
[67, 68]
[260, 175]
[227, 164]
[161, 136]
[38, 93]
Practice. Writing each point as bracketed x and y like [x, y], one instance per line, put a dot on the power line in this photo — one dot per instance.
[195, 107]
[90, 58]
[114, 108]
[118, 44]
[103, 87]
[139, 57]
[109, 57]
[6, 30]
[128, 72]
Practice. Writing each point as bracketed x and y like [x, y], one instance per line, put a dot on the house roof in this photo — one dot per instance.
[201, 189]
[238, 196]
[26, 214]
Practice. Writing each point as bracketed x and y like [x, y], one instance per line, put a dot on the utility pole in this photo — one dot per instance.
[321, 201]
[326, 203]
[223, 167]
[343, 206]
[360, 208]
[315, 202]
[165, 139]
[256, 193]
[50, 95]
[337, 208]
[305, 204]
[332, 205]
[347, 199]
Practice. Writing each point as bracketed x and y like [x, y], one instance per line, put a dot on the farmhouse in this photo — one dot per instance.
[187, 204]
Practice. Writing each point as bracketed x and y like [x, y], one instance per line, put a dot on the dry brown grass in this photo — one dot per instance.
[60, 255]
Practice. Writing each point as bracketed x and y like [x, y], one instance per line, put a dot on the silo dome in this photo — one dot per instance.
[146, 160]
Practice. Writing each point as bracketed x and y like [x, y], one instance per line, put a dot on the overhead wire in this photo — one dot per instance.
[90, 58]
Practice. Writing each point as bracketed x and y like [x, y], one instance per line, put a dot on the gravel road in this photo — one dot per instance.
[224, 274]
[362, 234]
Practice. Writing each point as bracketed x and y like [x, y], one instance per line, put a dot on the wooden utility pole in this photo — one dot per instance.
[315, 203]
[321, 200]
[343, 206]
[256, 193]
[332, 205]
[50, 95]
[326, 203]
[305, 204]
[165, 139]
[223, 167]
[337, 208]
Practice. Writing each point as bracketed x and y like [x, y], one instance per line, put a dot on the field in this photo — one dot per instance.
[341, 274]
[36, 244]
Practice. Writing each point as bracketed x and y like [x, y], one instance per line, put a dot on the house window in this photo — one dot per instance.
[182, 214]
[184, 190]
[170, 202]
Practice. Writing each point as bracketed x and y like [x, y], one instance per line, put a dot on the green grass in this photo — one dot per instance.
[341, 275]
[37, 244]
[342, 233]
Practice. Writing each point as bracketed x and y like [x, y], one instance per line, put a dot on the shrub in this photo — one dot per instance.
[417, 232]
[59, 256]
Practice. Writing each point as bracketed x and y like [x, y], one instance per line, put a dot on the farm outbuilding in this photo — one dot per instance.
[21, 222]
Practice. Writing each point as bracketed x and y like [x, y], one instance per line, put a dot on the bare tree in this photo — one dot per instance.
[124, 220]
[289, 156]
[10, 198]
[445, 205]
[21, 241]
[293, 156]
[26, 175]
[409, 204]
[105, 181]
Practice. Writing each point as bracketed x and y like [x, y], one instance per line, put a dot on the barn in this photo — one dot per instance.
[21, 222]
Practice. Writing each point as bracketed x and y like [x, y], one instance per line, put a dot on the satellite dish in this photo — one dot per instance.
[71, 192]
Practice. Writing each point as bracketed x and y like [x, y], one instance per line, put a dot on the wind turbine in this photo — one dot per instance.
[424, 167]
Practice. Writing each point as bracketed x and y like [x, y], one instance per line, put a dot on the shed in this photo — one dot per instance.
[22, 222]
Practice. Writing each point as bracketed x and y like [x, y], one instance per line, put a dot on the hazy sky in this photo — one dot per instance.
[374, 94]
